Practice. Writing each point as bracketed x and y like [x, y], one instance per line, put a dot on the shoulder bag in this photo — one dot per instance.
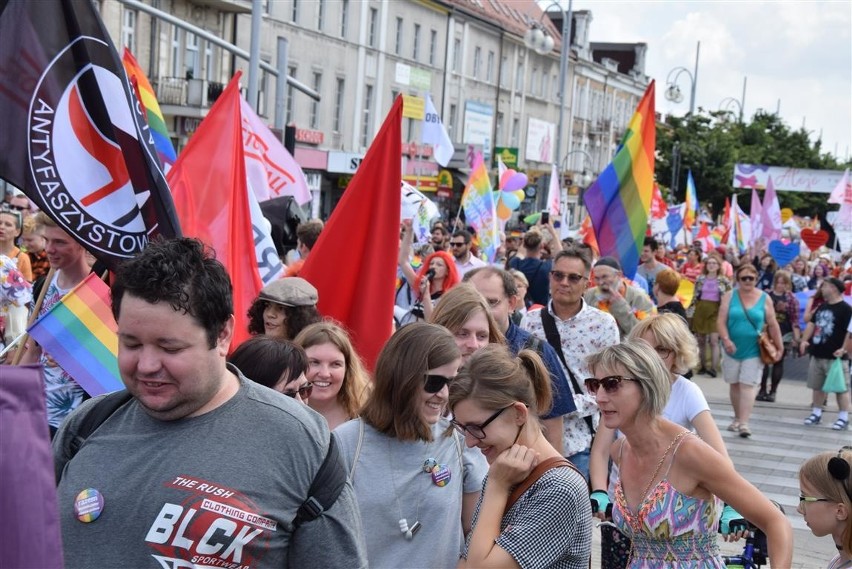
[768, 351]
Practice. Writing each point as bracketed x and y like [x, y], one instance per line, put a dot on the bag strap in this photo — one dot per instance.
[357, 448]
[553, 338]
[750, 321]
[537, 472]
[326, 486]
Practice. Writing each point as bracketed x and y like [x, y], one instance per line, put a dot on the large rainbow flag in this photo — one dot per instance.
[620, 199]
[142, 87]
[479, 208]
[691, 202]
[79, 332]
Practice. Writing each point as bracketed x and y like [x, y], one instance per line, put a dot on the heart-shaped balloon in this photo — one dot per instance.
[814, 239]
[512, 180]
[784, 254]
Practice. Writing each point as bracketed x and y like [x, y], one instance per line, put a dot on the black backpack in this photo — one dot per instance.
[325, 487]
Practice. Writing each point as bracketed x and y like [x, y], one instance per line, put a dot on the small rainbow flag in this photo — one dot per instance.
[145, 93]
[691, 202]
[479, 208]
[79, 332]
[620, 199]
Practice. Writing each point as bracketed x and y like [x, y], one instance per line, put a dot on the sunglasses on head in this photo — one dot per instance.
[304, 392]
[435, 383]
[611, 383]
[559, 276]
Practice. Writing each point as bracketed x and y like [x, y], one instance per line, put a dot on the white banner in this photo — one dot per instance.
[786, 179]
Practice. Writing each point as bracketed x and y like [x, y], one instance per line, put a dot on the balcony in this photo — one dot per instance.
[179, 95]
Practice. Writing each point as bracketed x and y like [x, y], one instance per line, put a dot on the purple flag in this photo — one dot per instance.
[31, 537]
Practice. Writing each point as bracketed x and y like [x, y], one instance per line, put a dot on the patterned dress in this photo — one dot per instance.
[670, 529]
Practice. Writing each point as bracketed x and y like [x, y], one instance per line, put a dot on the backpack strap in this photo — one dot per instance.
[538, 472]
[327, 485]
[553, 338]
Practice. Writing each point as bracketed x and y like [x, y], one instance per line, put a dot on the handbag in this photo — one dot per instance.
[768, 350]
[834, 380]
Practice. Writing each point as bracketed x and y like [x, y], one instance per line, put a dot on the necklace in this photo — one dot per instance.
[409, 531]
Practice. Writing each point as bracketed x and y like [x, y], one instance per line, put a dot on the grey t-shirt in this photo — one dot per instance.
[216, 490]
[390, 485]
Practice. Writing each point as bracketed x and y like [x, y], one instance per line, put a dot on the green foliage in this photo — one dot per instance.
[711, 142]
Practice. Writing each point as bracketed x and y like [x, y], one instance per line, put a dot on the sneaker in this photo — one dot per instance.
[761, 396]
[711, 372]
[840, 425]
[702, 371]
[813, 419]
[770, 397]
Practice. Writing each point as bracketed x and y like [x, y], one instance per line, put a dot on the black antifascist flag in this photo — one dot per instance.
[72, 136]
[833, 244]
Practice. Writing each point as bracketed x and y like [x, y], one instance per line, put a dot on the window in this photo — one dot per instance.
[556, 87]
[504, 71]
[397, 46]
[477, 62]
[456, 54]
[534, 81]
[516, 130]
[262, 87]
[415, 53]
[294, 15]
[433, 46]
[519, 77]
[128, 30]
[209, 70]
[545, 84]
[314, 117]
[344, 16]
[338, 104]
[176, 31]
[489, 68]
[451, 127]
[498, 135]
[291, 71]
[191, 58]
[374, 24]
[320, 13]
[366, 128]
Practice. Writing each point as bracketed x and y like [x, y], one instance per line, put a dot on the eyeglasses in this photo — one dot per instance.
[477, 431]
[746, 279]
[559, 276]
[611, 383]
[17, 207]
[304, 392]
[435, 383]
[457, 243]
[811, 499]
[663, 352]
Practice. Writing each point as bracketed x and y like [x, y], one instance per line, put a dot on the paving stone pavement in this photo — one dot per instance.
[770, 459]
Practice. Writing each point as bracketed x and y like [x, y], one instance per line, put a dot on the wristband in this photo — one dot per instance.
[731, 521]
[600, 501]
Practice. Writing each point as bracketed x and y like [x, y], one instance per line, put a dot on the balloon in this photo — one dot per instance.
[532, 219]
[503, 212]
[512, 180]
[511, 200]
[521, 194]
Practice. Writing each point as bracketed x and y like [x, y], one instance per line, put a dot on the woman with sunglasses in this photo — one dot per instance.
[415, 483]
[546, 520]
[275, 363]
[744, 313]
[340, 382]
[825, 483]
[669, 335]
[670, 482]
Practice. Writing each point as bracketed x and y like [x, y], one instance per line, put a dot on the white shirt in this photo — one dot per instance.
[472, 263]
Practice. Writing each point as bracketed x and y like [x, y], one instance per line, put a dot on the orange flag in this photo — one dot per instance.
[353, 264]
[208, 183]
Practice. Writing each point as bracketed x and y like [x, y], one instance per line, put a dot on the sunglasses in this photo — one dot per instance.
[559, 276]
[18, 207]
[435, 383]
[304, 392]
[477, 431]
[457, 243]
[746, 279]
[611, 383]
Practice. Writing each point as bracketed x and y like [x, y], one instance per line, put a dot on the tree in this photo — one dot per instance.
[710, 142]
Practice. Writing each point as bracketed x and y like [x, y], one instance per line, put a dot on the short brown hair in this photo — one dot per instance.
[44, 220]
[308, 232]
[399, 379]
[668, 281]
[457, 305]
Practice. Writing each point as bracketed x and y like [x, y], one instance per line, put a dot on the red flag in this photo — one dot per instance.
[208, 183]
[726, 215]
[659, 208]
[353, 264]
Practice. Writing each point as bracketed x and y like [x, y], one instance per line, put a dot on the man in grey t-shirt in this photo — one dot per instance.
[201, 467]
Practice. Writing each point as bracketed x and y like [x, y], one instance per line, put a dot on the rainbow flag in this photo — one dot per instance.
[691, 202]
[79, 332]
[620, 199]
[480, 211]
[145, 93]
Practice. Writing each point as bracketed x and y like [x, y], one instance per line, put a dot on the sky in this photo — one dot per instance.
[797, 51]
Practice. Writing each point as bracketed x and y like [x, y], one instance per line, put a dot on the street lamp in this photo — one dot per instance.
[729, 102]
[538, 39]
[673, 92]
[586, 177]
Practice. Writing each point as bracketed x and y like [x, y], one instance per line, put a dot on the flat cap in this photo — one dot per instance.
[290, 291]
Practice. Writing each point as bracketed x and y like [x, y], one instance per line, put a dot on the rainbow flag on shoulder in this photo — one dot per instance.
[79, 332]
[620, 199]
[145, 93]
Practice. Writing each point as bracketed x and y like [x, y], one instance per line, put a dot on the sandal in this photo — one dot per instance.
[745, 432]
[813, 419]
[840, 425]
[734, 426]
